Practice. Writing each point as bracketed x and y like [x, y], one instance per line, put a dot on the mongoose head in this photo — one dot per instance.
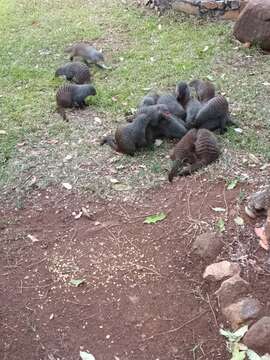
[90, 90]
[182, 92]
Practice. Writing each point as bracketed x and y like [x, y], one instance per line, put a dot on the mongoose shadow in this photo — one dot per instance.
[72, 95]
[195, 150]
[76, 72]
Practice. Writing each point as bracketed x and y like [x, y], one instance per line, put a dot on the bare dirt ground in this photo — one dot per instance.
[143, 296]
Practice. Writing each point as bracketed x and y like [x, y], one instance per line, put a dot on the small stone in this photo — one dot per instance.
[207, 245]
[209, 4]
[257, 337]
[221, 270]
[242, 311]
[187, 8]
[231, 290]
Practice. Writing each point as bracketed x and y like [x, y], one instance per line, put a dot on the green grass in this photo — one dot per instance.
[144, 51]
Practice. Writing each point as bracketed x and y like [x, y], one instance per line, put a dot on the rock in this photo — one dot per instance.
[252, 25]
[207, 245]
[221, 270]
[231, 290]
[185, 7]
[257, 337]
[231, 15]
[243, 311]
[208, 4]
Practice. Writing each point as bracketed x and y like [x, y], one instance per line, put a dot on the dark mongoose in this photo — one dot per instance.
[205, 90]
[144, 130]
[71, 95]
[130, 137]
[88, 53]
[75, 71]
[195, 150]
[213, 115]
[149, 99]
[173, 105]
[162, 123]
[190, 105]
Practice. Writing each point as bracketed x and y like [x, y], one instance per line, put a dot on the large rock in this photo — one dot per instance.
[207, 245]
[232, 290]
[243, 311]
[221, 270]
[258, 336]
[253, 24]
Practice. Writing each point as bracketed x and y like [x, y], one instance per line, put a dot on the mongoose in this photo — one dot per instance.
[258, 203]
[205, 89]
[173, 105]
[213, 115]
[71, 95]
[88, 53]
[162, 123]
[75, 71]
[196, 149]
[130, 137]
[190, 105]
[149, 99]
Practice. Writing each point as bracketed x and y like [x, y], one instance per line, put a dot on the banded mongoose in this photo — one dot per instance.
[213, 115]
[88, 53]
[258, 203]
[130, 137]
[173, 105]
[71, 95]
[162, 123]
[75, 71]
[195, 150]
[205, 90]
[190, 105]
[149, 99]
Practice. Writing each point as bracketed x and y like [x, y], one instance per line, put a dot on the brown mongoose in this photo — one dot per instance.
[205, 90]
[88, 53]
[213, 115]
[196, 149]
[130, 137]
[71, 95]
[190, 105]
[75, 71]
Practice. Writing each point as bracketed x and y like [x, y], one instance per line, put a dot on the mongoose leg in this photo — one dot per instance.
[189, 169]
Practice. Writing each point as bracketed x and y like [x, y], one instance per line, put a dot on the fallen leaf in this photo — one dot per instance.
[238, 130]
[218, 209]
[234, 336]
[221, 225]
[114, 181]
[76, 282]
[3, 132]
[78, 216]
[86, 356]
[51, 316]
[67, 186]
[252, 355]
[205, 48]
[32, 238]
[232, 184]
[68, 157]
[158, 142]
[121, 187]
[86, 213]
[239, 221]
[152, 219]
[254, 158]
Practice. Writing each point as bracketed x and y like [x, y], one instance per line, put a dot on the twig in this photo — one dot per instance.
[212, 310]
[77, 303]
[138, 267]
[36, 263]
[179, 327]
